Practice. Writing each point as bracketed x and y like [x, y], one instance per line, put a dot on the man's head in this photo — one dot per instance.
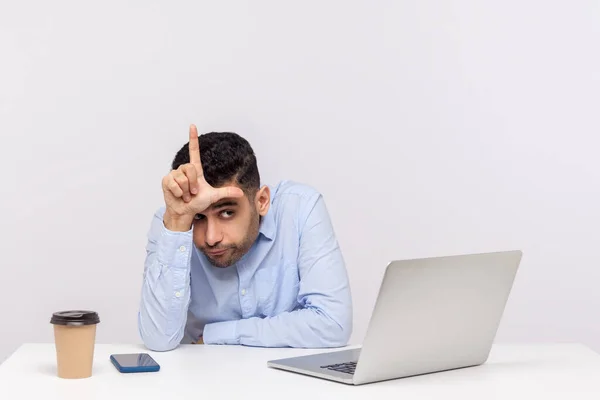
[227, 230]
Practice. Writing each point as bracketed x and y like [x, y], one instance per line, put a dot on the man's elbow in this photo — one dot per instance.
[155, 340]
[341, 336]
[336, 338]
[335, 333]
[159, 343]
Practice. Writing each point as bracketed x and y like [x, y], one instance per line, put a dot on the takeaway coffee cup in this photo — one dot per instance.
[74, 338]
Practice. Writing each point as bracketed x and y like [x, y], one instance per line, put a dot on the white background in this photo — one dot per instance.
[431, 128]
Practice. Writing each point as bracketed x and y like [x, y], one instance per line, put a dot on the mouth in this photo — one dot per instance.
[216, 253]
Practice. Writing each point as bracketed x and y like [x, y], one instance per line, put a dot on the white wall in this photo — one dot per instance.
[431, 127]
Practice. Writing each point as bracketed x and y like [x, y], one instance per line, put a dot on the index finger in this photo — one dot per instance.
[194, 148]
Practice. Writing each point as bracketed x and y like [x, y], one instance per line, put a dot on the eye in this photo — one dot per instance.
[227, 214]
[198, 217]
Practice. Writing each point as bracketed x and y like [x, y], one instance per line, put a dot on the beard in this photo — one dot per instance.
[234, 252]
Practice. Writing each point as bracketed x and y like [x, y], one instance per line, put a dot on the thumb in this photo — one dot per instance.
[224, 192]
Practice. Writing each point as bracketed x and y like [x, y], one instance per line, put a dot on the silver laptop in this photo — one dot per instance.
[431, 315]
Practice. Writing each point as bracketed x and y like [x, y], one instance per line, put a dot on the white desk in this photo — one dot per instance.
[192, 372]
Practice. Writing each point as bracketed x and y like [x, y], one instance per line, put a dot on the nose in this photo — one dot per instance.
[213, 234]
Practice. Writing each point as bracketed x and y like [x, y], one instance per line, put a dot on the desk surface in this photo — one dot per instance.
[554, 371]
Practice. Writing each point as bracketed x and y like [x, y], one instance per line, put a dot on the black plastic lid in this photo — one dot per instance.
[75, 317]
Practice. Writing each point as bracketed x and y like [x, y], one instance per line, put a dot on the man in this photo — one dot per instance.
[231, 262]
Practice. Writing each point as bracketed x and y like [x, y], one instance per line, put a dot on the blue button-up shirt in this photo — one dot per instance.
[290, 290]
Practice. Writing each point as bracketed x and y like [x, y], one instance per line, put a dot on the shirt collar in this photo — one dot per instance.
[267, 225]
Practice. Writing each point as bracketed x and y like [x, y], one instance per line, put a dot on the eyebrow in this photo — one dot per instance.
[226, 203]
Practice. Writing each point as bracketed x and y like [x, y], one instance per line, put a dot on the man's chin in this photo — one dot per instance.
[220, 264]
[222, 261]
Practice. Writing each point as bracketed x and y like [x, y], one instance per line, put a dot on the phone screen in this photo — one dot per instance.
[135, 360]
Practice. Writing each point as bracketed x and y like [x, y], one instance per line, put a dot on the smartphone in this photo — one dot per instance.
[137, 362]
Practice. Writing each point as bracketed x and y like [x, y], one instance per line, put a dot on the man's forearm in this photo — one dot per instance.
[165, 293]
[308, 327]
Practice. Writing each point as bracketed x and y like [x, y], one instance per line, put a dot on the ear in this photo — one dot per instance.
[262, 200]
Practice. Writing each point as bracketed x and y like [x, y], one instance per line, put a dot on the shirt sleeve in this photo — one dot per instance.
[165, 293]
[325, 318]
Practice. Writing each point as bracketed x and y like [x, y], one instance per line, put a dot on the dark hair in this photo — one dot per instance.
[226, 157]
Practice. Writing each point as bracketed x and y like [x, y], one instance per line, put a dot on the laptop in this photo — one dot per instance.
[431, 315]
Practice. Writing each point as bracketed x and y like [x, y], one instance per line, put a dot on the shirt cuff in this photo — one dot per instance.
[175, 248]
[221, 333]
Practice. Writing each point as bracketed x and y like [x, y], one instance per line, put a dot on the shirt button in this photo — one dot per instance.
[243, 292]
[177, 294]
[182, 249]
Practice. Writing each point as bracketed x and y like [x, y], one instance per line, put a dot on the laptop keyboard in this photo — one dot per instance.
[347, 368]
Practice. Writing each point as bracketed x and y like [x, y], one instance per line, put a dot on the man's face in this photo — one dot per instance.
[227, 230]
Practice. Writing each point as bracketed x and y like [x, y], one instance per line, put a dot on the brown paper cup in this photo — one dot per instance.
[74, 338]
